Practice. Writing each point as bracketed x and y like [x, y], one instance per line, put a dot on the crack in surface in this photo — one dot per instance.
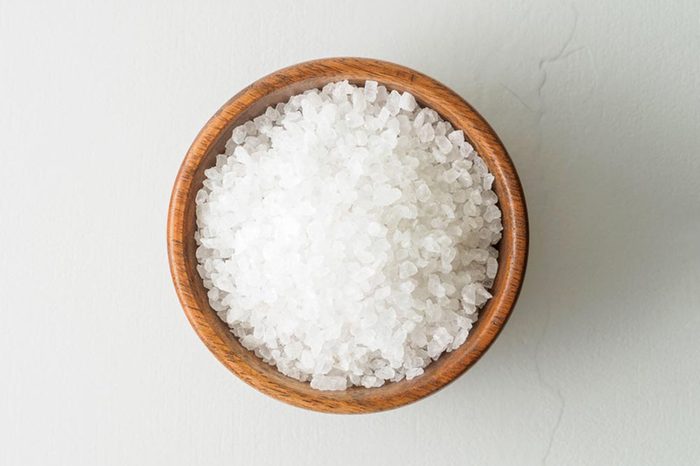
[555, 429]
[555, 390]
[560, 54]
[517, 97]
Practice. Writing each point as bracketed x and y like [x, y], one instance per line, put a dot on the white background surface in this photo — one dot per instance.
[598, 103]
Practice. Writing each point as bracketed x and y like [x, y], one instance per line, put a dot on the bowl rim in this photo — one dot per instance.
[451, 107]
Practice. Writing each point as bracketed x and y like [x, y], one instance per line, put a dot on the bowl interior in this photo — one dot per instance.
[252, 102]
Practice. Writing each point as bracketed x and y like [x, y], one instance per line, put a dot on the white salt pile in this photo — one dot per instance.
[347, 235]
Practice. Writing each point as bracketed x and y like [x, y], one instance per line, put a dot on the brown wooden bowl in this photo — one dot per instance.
[277, 87]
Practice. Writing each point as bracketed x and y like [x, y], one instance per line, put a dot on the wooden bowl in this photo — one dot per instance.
[277, 87]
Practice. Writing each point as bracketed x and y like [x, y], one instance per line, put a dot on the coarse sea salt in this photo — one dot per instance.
[347, 236]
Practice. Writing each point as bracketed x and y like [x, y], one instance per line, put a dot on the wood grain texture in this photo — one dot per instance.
[277, 87]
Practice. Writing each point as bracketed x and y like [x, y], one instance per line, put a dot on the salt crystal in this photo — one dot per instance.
[492, 213]
[491, 267]
[321, 382]
[359, 100]
[407, 287]
[376, 229]
[272, 113]
[413, 373]
[407, 102]
[370, 90]
[385, 373]
[201, 197]
[443, 144]
[239, 134]
[423, 192]
[393, 103]
[407, 269]
[385, 195]
[419, 120]
[451, 175]
[435, 287]
[456, 137]
[426, 133]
